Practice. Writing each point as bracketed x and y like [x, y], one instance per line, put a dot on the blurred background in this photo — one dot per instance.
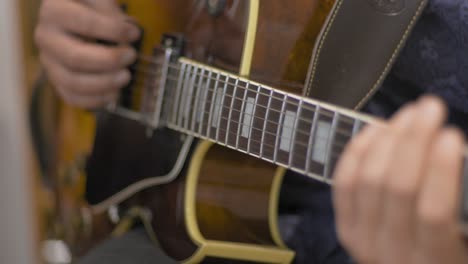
[26, 201]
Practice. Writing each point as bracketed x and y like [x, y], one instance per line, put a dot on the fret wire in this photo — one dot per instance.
[347, 120]
[253, 118]
[302, 132]
[240, 115]
[189, 99]
[329, 144]
[231, 109]
[311, 138]
[299, 143]
[213, 102]
[304, 144]
[351, 119]
[179, 87]
[176, 66]
[277, 111]
[296, 123]
[269, 109]
[197, 100]
[305, 107]
[205, 97]
[356, 126]
[265, 122]
[270, 99]
[275, 154]
[334, 154]
[221, 108]
[269, 133]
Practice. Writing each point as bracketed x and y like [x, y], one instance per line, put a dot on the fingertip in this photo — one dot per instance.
[132, 31]
[403, 118]
[122, 78]
[431, 98]
[432, 106]
[129, 56]
[451, 138]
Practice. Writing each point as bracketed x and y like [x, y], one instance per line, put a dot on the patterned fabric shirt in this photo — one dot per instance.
[434, 60]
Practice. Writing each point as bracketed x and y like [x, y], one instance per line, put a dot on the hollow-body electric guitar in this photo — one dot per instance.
[200, 140]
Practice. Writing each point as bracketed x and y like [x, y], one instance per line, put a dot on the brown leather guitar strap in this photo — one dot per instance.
[357, 47]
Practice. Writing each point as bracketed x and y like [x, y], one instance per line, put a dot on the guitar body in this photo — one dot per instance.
[64, 137]
[222, 204]
[230, 200]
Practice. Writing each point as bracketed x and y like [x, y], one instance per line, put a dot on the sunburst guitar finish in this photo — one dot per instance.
[223, 206]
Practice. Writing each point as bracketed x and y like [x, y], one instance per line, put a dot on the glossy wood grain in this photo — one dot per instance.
[233, 190]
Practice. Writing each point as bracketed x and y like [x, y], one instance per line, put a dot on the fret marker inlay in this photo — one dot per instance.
[248, 115]
[287, 132]
[321, 138]
[217, 107]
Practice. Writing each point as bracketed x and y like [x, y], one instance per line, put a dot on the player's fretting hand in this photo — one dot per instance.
[397, 190]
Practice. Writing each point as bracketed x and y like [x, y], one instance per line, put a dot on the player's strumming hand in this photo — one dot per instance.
[397, 192]
[85, 73]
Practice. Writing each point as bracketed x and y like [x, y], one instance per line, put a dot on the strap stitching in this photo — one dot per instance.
[392, 58]
[322, 40]
[382, 75]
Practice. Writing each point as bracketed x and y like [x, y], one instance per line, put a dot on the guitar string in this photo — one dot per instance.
[204, 127]
[334, 154]
[175, 78]
[323, 112]
[346, 118]
[236, 123]
[240, 100]
[271, 110]
[304, 107]
[218, 79]
[340, 131]
[157, 74]
[263, 120]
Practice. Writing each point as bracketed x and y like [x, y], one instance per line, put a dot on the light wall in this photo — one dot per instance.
[17, 227]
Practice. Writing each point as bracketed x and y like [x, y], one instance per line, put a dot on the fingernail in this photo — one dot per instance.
[133, 32]
[129, 57]
[122, 78]
[431, 106]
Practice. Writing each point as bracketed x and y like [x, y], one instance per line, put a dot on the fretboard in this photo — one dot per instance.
[298, 133]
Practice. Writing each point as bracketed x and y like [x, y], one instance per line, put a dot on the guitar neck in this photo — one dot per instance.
[298, 133]
[301, 134]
